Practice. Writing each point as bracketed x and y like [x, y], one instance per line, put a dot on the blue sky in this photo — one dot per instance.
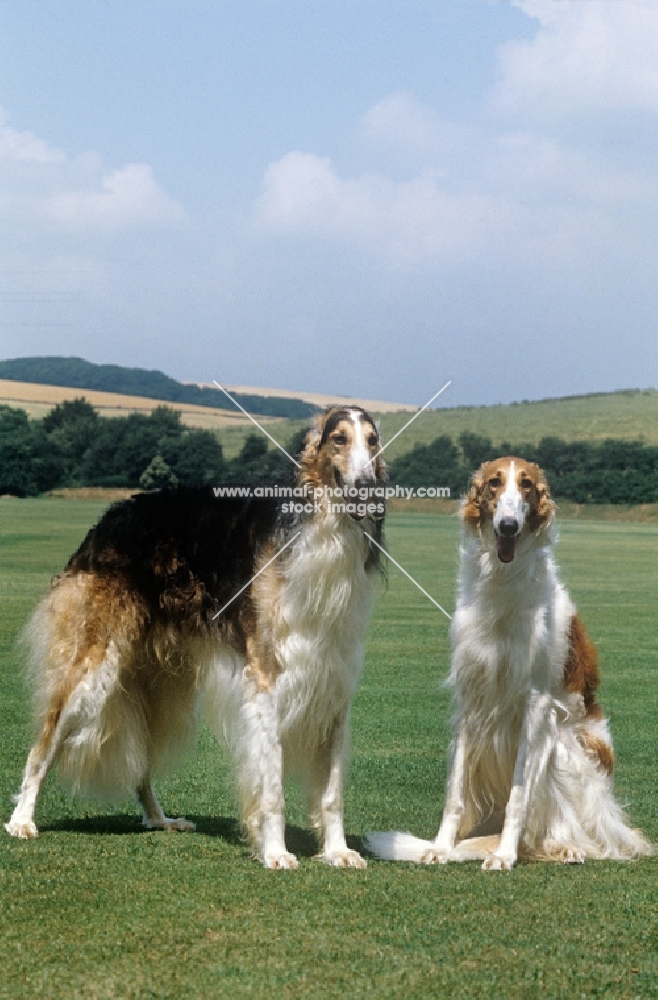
[363, 198]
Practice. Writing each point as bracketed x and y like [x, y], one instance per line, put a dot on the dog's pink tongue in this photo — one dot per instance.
[506, 546]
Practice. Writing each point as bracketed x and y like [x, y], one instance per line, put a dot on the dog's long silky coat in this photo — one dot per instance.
[127, 641]
[531, 762]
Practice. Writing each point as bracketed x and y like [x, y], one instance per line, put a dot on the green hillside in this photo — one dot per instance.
[630, 415]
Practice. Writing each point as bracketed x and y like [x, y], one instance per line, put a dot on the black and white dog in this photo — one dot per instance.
[130, 635]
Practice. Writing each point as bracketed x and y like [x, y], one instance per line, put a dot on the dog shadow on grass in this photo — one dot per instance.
[123, 824]
[298, 840]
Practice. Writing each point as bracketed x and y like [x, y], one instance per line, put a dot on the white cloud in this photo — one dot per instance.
[301, 195]
[82, 248]
[26, 147]
[407, 223]
[516, 187]
[533, 165]
[43, 189]
[587, 56]
[402, 124]
[518, 193]
[120, 200]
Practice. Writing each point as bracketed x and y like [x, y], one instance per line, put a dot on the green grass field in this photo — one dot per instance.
[98, 908]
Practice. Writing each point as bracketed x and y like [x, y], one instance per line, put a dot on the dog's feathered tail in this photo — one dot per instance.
[395, 846]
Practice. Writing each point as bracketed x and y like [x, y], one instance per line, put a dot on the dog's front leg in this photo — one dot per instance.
[453, 809]
[260, 780]
[538, 735]
[326, 795]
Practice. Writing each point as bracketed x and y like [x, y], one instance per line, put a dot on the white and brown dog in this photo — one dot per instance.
[531, 762]
[260, 606]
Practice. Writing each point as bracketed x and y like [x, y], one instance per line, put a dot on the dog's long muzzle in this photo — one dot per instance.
[508, 524]
[362, 483]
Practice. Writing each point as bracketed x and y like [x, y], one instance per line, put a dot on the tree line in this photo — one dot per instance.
[611, 471]
[73, 446]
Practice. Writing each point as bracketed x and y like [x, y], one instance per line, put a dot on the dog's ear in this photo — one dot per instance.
[309, 456]
[472, 507]
[541, 512]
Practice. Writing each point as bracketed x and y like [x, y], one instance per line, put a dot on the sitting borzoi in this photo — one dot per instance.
[131, 634]
[530, 774]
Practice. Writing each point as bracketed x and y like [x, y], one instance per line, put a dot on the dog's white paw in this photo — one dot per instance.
[179, 825]
[569, 856]
[499, 863]
[564, 854]
[344, 859]
[434, 856]
[283, 860]
[24, 831]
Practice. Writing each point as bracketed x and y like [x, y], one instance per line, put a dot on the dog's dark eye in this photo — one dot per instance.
[339, 439]
[372, 440]
[526, 484]
[495, 482]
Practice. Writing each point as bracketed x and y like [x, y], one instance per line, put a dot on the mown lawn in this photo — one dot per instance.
[98, 908]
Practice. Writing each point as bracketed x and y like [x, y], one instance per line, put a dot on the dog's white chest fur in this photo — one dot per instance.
[319, 622]
[324, 607]
[510, 628]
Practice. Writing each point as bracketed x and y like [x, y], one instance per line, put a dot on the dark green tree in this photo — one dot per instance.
[476, 449]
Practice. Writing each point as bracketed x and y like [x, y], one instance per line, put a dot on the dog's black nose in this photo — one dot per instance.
[362, 482]
[508, 526]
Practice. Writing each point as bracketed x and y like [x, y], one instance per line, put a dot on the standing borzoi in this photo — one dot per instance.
[130, 634]
[530, 774]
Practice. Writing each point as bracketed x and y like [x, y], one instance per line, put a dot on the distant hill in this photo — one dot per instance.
[323, 399]
[629, 415]
[75, 373]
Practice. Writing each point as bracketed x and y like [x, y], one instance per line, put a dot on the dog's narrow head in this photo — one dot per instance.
[508, 495]
[341, 450]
